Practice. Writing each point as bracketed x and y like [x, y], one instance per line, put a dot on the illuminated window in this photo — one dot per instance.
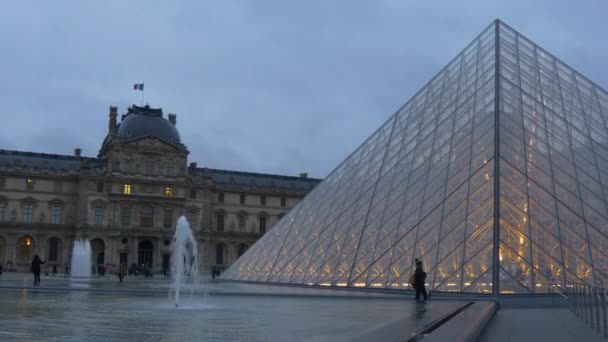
[169, 191]
[29, 184]
[126, 189]
[28, 212]
[24, 248]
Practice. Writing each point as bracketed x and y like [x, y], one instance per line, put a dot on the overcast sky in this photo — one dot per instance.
[276, 86]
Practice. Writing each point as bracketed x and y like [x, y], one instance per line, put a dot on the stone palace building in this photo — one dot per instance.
[127, 200]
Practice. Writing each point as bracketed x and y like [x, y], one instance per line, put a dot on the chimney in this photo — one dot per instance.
[304, 175]
[172, 118]
[77, 152]
[112, 123]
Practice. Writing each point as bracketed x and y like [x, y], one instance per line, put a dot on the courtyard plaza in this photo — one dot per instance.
[140, 309]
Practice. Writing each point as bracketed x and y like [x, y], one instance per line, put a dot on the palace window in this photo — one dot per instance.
[126, 189]
[54, 248]
[192, 213]
[56, 214]
[168, 219]
[263, 200]
[98, 215]
[2, 182]
[242, 199]
[146, 216]
[129, 165]
[1, 212]
[28, 212]
[149, 167]
[283, 201]
[242, 221]
[262, 224]
[125, 216]
[168, 191]
[29, 183]
[193, 193]
[219, 253]
[99, 186]
[220, 197]
[220, 222]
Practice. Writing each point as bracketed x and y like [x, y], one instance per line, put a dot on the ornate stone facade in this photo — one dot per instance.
[127, 200]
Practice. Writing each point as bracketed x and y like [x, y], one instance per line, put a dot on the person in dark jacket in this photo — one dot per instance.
[36, 269]
[419, 279]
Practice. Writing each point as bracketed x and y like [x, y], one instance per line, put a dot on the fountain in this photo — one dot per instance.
[184, 260]
[81, 259]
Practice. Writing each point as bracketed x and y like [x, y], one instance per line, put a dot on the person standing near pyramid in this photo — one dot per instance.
[419, 279]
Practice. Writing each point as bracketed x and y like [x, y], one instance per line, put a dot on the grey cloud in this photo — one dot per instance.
[260, 86]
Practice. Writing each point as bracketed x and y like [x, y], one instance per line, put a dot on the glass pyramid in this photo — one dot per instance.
[425, 185]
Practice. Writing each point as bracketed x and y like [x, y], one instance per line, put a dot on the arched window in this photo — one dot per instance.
[220, 249]
[54, 246]
[2, 249]
[25, 248]
[98, 248]
[145, 253]
[242, 221]
[220, 221]
[28, 212]
[146, 216]
[262, 224]
[192, 215]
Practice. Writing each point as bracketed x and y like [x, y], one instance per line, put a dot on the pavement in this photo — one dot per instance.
[554, 325]
[140, 309]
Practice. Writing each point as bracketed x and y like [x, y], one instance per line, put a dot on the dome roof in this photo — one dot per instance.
[145, 121]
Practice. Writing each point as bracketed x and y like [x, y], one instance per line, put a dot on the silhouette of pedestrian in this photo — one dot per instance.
[36, 269]
[122, 271]
[419, 279]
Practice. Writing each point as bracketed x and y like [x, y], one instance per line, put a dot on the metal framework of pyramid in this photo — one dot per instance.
[425, 185]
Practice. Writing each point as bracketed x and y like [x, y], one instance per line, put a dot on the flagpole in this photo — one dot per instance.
[142, 94]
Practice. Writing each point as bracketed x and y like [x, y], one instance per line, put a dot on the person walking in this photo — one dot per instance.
[36, 269]
[122, 271]
[419, 279]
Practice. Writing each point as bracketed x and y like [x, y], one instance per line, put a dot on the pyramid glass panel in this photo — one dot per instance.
[495, 175]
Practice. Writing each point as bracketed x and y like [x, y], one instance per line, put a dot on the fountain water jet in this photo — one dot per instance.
[81, 259]
[184, 259]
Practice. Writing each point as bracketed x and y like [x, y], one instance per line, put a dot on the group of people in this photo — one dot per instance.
[417, 279]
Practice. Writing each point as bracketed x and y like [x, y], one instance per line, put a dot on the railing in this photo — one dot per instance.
[589, 304]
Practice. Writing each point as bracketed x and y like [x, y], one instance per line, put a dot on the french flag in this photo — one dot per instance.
[138, 86]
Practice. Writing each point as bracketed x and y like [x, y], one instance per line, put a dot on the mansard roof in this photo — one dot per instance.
[258, 181]
[44, 161]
